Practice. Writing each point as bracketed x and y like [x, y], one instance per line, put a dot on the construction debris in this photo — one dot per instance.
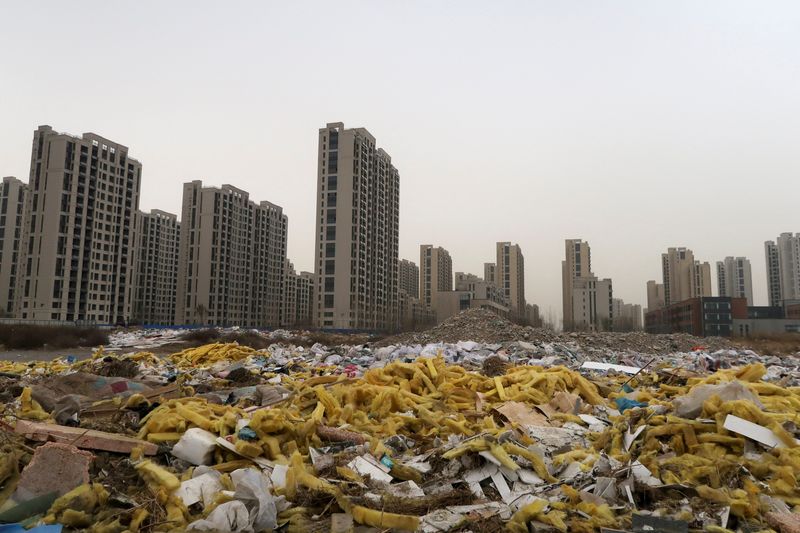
[407, 437]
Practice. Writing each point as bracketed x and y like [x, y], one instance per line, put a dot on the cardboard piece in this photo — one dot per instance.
[519, 413]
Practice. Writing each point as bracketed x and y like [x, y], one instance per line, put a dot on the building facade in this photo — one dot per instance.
[592, 308]
[289, 313]
[577, 264]
[305, 296]
[409, 278]
[655, 295]
[357, 220]
[702, 317]
[683, 276]
[627, 317]
[435, 273]
[510, 277]
[13, 195]
[471, 292]
[231, 259]
[78, 244]
[490, 272]
[156, 288]
[735, 279]
[773, 273]
[783, 268]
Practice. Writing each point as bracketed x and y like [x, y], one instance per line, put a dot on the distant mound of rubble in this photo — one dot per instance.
[483, 326]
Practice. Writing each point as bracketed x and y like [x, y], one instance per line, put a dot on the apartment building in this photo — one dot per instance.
[305, 297]
[232, 257]
[683, 276]
[735, 279]
[156, 287]
[510, 276]
[435, 273]
[470, 292]
[78, 243]
[773, 273]
[13, 194]
[586, 300]
[783, 268]
[592, 308]
[289, 301]
[490, 272]
[409, 278]
[357, 220]
[626, 317]
[655, 295]
[577, 264]
[532, 312]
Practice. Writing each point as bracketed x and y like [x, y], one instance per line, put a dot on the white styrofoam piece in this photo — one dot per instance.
[196, 446]
[367, 468]
[594, 365]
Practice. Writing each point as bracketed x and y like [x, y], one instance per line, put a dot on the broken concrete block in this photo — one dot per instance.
[196, 446]
[55, 467]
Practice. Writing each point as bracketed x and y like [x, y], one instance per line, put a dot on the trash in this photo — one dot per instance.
[317, 434]
[369, 466]
[626, 403]
[203, 487]
[784, 522]
[82, 438]
[55, 468]
[642, 523]
[753, 431]
[196, 446]
[594, 365]
[691, 405]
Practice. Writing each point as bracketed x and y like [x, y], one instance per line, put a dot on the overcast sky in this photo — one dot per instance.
[633, 125]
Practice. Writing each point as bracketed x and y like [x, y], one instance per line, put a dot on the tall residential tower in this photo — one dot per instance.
[13, 194]
[357, 220]
[78, 247]
[735, 279]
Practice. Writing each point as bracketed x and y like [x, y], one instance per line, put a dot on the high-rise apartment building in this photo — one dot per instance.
[592, 307]
[655, 295]
[305, 297]
[735, 279]
[627, 317]
[357, 220]
[510, 276]
[409, 278]
[289, 300]
[577, 264]
[586, 300]
[490, 272]
[78, 247]
[156, 287]
[684, 277]
[789, 257]
[232, 258]
[773, 273]
[13, 194]
[435, 273]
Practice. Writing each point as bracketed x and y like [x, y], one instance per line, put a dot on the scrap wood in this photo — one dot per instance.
[82, 438]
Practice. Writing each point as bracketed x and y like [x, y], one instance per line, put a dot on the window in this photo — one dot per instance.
[330, 233]
[329, 284]
[330, 249]
[332, 183]
[329, 300]
[331, 218]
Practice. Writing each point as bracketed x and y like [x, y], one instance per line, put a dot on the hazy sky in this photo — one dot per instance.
[633, 125]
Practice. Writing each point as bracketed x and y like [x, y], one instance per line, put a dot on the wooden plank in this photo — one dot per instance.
[88, 439]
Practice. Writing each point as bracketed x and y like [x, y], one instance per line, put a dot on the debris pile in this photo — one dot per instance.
[481, 436]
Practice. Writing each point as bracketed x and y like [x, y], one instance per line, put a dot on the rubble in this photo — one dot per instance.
[428, 437]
